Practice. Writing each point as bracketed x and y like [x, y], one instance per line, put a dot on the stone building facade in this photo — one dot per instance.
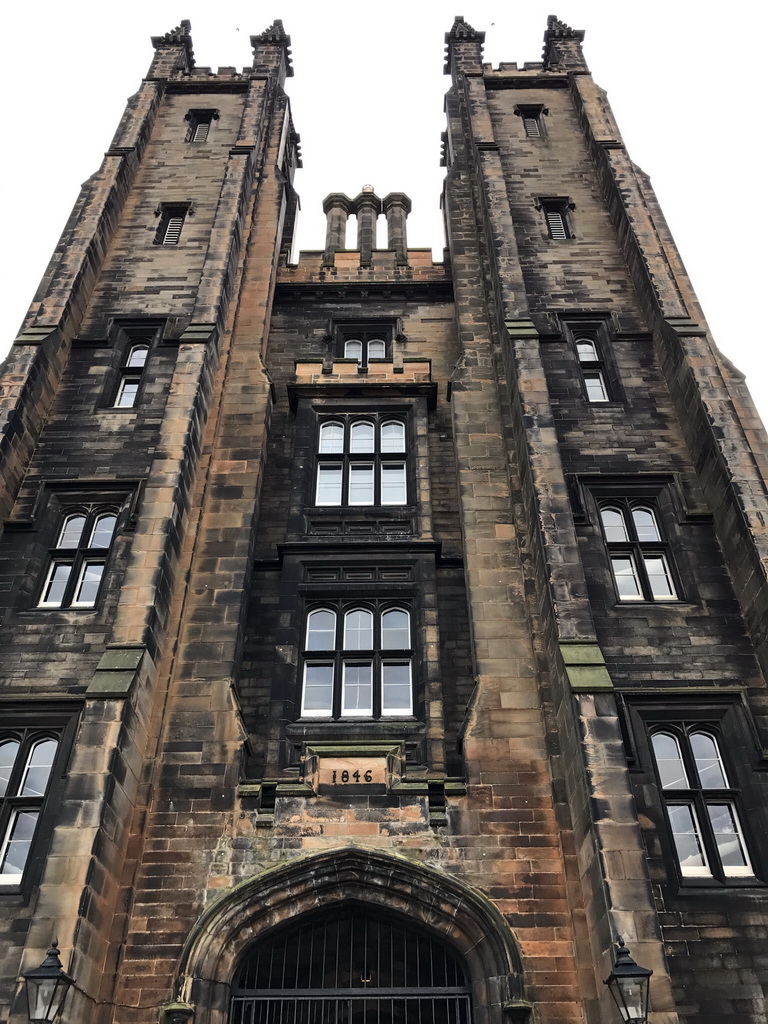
[410, 611]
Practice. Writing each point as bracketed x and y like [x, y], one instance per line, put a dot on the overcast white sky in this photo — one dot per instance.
[687, 86]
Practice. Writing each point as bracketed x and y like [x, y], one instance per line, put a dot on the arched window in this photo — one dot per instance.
[131, 373]
[353, 349]
[26, 765]
[71, 531]
[613, 525]
[376, 349]
[645, 524]
[331, 437]
[358, 630]
[361, 437]
[393, 436]
[586, 350]
[365, 673]
[137, 356]
[365, 344]
[321, 630]
[353, 966]
[358, 463]
[592, 370]
[639, 558]
[78, 561]
[701, 806]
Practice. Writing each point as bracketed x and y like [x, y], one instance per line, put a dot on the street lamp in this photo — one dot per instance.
[628, 983]
[47, 987]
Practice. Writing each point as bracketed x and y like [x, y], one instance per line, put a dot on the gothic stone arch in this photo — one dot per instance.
[449, 908]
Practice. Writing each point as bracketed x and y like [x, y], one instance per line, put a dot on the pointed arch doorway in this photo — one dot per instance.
[351, 966]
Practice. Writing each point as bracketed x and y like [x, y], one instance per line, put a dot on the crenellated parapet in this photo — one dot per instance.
[562, 47]
[173, 52]
[272, 52]
[463, 49]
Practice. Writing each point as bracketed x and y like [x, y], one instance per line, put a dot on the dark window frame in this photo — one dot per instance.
[173, 217]
[556, 211]
[532, 117]
[31, 723]
[727, 717]
[200, 121]
[636, 549]
[77, 557]
[346, 459]
[364, 332]
[339, 656]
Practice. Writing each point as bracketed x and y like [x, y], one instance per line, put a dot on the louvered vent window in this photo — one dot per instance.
[200, 133]
[173, 231]
[555, 223]
[556, 217]
[171, 224]
[200, 124]
[532, 128]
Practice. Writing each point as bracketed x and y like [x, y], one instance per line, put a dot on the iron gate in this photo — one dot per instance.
[351, 968]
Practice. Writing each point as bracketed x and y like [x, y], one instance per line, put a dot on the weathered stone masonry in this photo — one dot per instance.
[517, 814]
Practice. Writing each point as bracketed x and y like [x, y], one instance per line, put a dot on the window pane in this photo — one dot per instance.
[613, 525]
[103, 528]
[18, 840]
[331, 438]
[358, 630]
[357, 689]
[659, 577]
[137, 357]
[393, 436]
[669, 761]
[730, 844]
[395, 630]
[321, 630]
[56, 584]
[645, 524]
[353, 350]
[126, 395]
[8, 751]
[595, 386]
[376, 349]
[328, 485]
[709, 764]
[586, 351]
[393, 490]
[318, 690]
[38, 770]
[361, 484]
[396, 689]
[532, 129]
[71, 532]
[361, 437]
[687, 839]
[87, 587]
[626, 579]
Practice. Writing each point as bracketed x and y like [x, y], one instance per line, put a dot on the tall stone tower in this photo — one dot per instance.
[381, 639]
